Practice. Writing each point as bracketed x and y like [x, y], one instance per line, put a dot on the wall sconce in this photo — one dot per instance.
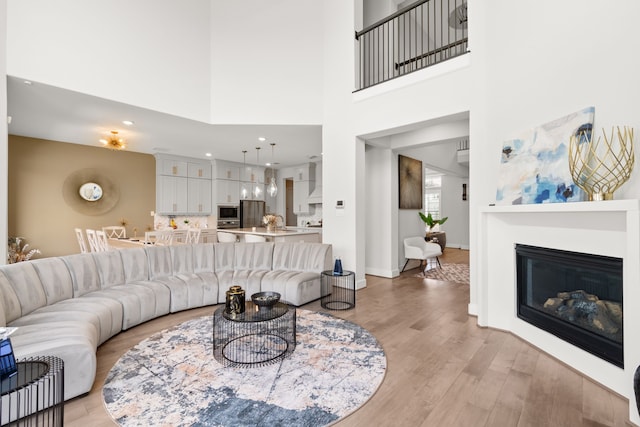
[464, 191]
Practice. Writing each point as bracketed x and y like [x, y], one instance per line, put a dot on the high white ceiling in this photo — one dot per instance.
[46, 112]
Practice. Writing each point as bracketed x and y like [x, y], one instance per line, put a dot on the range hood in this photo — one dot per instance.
[316, 196]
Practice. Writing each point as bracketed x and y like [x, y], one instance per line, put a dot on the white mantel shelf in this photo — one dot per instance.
[610, 228]
[603, 206]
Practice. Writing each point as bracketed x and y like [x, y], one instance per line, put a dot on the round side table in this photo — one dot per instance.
[338, 291]
[35, 394]
[256, 337]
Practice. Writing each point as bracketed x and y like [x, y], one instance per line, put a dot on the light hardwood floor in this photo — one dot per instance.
[442, 369]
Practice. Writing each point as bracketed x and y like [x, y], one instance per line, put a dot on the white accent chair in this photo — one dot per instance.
[94, 246]
[81, 242]
[417, 248]
[193, 236]
[115, 231]
[224, 237]
[252, 238]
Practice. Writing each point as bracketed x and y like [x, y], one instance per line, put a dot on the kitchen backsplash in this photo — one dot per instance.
[162, 222]
[312, 219]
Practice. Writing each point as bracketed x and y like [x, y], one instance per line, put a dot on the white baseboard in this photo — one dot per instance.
[380, 272]
[472, 309]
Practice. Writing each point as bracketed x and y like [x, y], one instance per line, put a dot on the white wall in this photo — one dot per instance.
[266, 63]
[375, 10]
[117, 50]
[4, 140]
[381, 217]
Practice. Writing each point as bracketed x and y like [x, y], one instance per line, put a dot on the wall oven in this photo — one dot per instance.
[228, 216]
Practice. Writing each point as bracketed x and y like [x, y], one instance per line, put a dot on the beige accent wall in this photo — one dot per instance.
[37, 210]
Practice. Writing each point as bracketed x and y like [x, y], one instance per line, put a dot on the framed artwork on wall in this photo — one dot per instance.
[534, 166]
[409, 183]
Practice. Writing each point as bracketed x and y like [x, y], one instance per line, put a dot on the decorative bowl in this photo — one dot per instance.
[265, 299]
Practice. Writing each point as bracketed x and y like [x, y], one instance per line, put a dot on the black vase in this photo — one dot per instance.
[636, 387]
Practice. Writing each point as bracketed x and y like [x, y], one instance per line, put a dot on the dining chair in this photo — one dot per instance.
[93, 240]
[81, 242]
[103, 242]
[179, 237]
[224, 237]
[253, 238]
[193, 236]
[164, 237]
[115, 231]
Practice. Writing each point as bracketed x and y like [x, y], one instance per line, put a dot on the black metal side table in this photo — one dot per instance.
[35, 394]
[338, 291]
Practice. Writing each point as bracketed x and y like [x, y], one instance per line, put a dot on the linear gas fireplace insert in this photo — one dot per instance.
[574, 296]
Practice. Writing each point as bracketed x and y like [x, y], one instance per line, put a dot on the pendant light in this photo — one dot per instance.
[257, 191]
[272, 189]
[244, 192]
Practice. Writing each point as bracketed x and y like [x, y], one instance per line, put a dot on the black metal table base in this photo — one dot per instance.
[256, 337]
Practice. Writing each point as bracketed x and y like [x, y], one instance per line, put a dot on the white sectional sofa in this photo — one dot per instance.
[68, 306]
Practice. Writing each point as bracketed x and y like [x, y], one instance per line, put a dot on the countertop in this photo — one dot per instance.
[262, 231]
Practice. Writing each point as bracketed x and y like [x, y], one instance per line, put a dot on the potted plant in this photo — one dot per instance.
[436, 237]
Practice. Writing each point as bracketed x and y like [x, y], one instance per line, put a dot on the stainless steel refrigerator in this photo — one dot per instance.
[251, 213]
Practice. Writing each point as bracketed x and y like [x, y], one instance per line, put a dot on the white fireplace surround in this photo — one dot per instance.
[610, 228]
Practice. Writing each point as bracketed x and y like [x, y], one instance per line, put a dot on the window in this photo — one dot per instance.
[432, 192]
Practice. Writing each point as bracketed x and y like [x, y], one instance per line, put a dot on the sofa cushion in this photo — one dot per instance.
[202, 289]
[110, 268]
[84, 273]
[70, 341]
[135, 263]
[203, 267]
[250, 263]
[11, 309]
[26, 285]
[55, 278]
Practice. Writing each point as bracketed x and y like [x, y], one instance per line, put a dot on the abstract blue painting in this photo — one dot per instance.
[534, 167]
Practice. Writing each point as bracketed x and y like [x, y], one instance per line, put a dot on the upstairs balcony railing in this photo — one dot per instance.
[417, 36]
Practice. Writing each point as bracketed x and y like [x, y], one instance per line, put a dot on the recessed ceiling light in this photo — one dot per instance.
[262, 139]
[128, 122]
[208, 154]
[28, 82]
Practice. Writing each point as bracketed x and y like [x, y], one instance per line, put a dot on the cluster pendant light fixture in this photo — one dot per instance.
[257, 191]
[272, 189]
[244, 192]
[114, 142]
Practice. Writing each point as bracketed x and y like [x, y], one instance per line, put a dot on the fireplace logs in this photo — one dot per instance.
[588, 311]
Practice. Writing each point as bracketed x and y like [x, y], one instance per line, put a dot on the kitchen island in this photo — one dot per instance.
[279, 235]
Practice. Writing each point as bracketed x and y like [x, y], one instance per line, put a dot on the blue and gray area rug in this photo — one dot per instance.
[172, 379]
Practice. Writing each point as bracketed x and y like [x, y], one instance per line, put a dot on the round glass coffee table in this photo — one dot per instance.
[257, 337]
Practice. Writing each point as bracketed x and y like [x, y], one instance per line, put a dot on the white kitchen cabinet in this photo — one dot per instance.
[171, 195]
[199, 196]
[227, 171]
[227, 192]
[173, 167]
[300, 197]
[183, 185]
[306, 172]
[256, 175]
[199, 170]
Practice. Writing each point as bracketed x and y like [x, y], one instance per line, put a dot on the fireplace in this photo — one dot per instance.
[574, 296]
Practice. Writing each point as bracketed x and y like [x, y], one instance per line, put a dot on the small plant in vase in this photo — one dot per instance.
[431, 223]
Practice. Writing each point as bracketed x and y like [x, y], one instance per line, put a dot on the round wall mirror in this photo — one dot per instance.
[91, 191]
